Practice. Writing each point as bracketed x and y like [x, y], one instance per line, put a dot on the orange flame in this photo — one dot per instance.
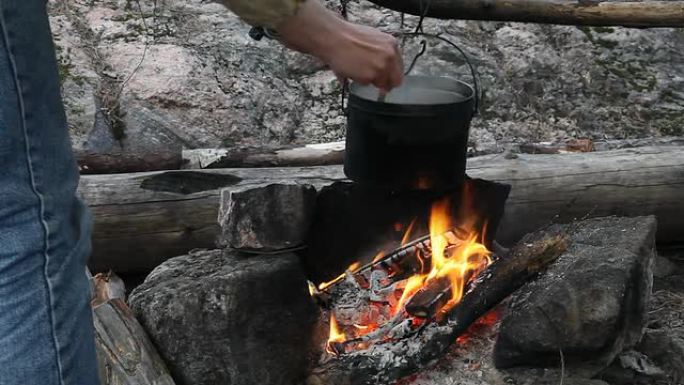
[336, 335]
[413, 284]
[456, 255]
[459, 263]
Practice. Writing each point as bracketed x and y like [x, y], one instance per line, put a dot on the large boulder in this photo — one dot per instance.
[219, 318]
[590, 305]
[204, 83]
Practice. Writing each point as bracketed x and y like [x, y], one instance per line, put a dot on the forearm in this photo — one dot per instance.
[352, 51]
[264, 13]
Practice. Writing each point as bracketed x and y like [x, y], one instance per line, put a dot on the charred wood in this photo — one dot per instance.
[427, 302]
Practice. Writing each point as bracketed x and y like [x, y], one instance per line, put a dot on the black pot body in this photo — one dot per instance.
[416, 138]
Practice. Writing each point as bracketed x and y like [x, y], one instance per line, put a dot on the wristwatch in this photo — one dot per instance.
[259, 32]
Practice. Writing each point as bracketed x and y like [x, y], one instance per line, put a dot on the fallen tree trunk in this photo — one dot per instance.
[640, 14]
[322, 154]
[144, 219]
[386, 363]
[112, 163]
[325, 154]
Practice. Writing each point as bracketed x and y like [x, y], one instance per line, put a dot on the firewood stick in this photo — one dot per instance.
[432, 298]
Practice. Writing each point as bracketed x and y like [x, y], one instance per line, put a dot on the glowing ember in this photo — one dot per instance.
[479, 327]
[336, 335]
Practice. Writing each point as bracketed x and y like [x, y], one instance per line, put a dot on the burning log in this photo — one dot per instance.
[385, 363]
[428, 301]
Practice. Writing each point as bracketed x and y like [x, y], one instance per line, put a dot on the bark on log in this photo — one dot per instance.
[560, 188]
[322, 154]
[383, 365]
[125, 353]
[144, 219]
[110, 163]
[642, 14]
[325, 154]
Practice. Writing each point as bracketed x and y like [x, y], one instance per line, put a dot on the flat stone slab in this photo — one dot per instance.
[269, 217]
[219, 318]
[591, 304]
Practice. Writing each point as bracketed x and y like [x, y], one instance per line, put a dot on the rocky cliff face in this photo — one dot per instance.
[170, 73]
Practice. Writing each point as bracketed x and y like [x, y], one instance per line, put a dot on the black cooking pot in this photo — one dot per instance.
[414, 137]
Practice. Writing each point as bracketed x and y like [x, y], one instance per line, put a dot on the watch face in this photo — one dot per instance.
[256, 33]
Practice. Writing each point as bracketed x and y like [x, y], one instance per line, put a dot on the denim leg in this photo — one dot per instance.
[46, 329]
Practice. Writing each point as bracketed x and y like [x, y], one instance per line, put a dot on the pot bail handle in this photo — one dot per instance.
[473, 72]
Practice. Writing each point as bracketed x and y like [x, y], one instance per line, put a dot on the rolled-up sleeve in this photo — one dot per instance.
[263, 13]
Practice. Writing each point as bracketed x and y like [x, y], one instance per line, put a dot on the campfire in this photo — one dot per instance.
[406, 287]
[401, 291]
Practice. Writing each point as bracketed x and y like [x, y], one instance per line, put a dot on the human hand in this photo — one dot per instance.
[352, 51]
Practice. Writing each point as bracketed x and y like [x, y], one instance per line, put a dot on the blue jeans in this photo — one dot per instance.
[46, 327]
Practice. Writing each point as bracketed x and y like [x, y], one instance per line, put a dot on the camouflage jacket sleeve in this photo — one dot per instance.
[263, 13]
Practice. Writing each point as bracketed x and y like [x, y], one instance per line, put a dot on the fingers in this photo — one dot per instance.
[391, 74]
[366, 56]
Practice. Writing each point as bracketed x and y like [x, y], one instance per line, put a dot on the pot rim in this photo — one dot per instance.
[442, 87]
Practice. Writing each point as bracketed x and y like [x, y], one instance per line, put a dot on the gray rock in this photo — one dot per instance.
[669, 271]
[203, 79]
[270, 217]
[218, 318]
[664, 268]
[591, 304]
[663, 341]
